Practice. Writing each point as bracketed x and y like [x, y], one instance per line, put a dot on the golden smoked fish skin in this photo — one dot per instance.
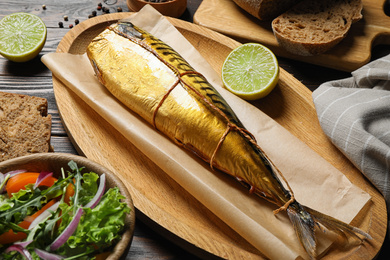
[155, 82]
[140, 80]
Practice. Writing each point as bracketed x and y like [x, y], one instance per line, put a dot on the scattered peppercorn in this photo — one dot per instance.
[99, 8]
[70, 26]
[44, 7]
[119, 9]
[76, 21]
[94, 13]
[90, 16]
[100, 4]
[65, 18]
[61, 24]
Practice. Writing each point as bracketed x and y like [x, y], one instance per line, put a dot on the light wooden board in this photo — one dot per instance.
[160, 201]
[226, 17]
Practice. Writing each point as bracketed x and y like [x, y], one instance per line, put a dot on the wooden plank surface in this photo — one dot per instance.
[196, 228]
[33, 78]
[353, 52]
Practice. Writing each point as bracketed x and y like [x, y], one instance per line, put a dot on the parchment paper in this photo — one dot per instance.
[315, 182]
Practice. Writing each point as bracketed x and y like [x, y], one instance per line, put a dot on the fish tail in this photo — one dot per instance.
[305, 219]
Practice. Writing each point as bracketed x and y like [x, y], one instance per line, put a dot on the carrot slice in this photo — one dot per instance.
[10, 236]
[19, 182]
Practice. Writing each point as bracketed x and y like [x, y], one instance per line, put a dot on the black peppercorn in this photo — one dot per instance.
[94, 13]
[61, 24]
[76, 21]
[65, 18]
[119, 9]
[100, 4]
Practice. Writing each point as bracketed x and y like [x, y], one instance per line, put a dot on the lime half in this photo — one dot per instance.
[22, 36]
[250, 71]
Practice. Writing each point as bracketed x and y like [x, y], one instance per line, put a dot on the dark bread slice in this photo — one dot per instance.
[266, 9]
[25, 126]
[314, 27]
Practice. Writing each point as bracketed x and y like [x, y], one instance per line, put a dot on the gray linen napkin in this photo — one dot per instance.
[355, 114]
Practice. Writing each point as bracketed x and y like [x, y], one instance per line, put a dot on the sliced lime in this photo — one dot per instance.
[22, 36]
[250, 71]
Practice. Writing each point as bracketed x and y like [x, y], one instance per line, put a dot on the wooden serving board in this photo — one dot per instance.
[159, 200]
[226, 17]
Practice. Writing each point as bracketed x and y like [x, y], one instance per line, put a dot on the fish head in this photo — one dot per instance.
[128, 29]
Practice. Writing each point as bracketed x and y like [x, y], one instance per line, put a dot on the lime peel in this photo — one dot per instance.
[22, 36]
[251, 71]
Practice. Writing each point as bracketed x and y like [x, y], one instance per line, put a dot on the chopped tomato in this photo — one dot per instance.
[10, 236]
[19, 181]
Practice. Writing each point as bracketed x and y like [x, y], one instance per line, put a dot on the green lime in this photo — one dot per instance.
[22, 36]
[250, 71]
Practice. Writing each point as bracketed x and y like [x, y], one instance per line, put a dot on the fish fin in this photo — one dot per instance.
[336, 225]
[305, 219]
[303, 224]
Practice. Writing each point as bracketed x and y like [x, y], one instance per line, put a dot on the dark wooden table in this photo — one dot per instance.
[34, 78]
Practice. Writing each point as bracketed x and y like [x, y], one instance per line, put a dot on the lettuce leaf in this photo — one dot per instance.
[100, 227]
[89, 187]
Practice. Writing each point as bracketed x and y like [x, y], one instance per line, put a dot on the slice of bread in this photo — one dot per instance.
[314, 27]
[266, 9]
[25, 126]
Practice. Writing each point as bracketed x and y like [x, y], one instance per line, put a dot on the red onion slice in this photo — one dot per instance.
[68, 231]
[23, 243]
[41, 177]
[44, 215]
[8, 175]
[16, 172]
[47, 256]
[20, 247]
[102, 186]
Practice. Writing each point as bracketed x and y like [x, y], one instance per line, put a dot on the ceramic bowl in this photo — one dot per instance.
[54, 162]
[172, 8]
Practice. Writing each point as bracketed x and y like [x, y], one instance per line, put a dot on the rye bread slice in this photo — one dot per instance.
[313, 27]
[266, 9]
[25, 126]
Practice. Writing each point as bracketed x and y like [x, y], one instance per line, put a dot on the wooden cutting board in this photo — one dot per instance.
[159, 200]
[226, 17]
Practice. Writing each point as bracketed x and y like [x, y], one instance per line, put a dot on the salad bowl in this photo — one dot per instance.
[55, 162]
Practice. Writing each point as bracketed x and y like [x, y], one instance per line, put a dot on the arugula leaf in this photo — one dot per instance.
[23, 203]
[29, 200]
[77, 187]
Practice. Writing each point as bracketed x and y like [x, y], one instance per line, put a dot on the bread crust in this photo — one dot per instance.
[313, 27]
[266, 9]
[25, 126]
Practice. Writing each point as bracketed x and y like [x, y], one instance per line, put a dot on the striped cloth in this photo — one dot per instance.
[355, 114]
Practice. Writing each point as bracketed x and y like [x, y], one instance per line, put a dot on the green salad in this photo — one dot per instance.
[72, 217]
